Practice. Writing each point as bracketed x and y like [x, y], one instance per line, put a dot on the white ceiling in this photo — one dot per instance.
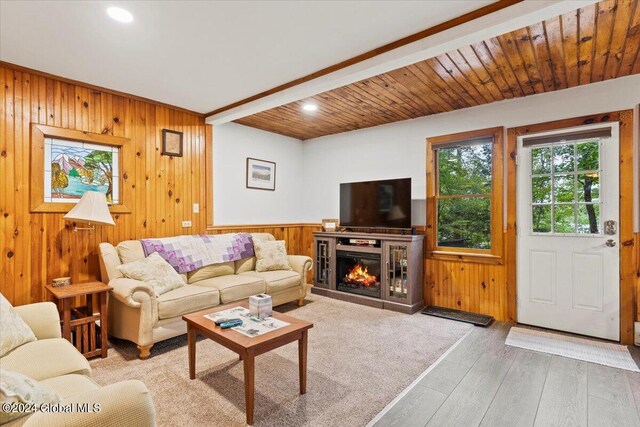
[204, 55]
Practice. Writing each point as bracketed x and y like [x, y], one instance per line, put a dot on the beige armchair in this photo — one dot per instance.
[54, 362]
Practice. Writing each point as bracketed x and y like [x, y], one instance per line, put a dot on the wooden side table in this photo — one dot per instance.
[82, 320]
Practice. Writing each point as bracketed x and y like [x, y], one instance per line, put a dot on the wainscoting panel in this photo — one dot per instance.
[298, 237]
[479, 288]
[36, 247]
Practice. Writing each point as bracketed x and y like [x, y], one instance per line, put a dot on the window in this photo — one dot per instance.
[464, 194]
[565, 188]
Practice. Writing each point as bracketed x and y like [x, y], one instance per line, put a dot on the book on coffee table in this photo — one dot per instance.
[252, 326]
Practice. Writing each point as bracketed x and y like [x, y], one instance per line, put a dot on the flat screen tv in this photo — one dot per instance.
[376, 204]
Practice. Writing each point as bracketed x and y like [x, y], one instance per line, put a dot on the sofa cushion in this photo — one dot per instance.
[68, 385]
[155, 271]
[186, 299]
[19, 389]
[249, 264]
[271, 256]
[130, 251]
[235, 287]
[277, 280]
[46, 359]
[14, 332]
[209, 271]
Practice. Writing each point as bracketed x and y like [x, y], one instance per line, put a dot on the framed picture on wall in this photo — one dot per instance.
[171, 143]
[261, 174]
[66, 163]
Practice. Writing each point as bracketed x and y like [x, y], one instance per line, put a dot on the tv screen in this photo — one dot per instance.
[384, 204]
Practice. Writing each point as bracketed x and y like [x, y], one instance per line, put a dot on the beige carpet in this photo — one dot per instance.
[359, 359]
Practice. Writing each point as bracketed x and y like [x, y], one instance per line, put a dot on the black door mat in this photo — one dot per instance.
[459, 315]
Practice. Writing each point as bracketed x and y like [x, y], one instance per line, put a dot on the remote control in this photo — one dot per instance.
[231, 323]
[221, 321]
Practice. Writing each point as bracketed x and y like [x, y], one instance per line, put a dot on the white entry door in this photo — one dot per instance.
[567, 225]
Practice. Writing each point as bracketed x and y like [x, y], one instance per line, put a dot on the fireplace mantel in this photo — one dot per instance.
[396, 259]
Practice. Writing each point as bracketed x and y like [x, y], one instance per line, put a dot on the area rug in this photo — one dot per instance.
[602, 353]
[359, 359]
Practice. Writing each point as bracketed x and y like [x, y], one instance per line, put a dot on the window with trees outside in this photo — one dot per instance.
[565, 188]
[464, 193]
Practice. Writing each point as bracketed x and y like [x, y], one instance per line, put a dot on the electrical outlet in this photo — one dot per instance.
[196, 208]
[186, 223]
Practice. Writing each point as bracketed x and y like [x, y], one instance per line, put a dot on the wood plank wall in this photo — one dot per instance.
[298, 237]
[479, 288]
[38, 247]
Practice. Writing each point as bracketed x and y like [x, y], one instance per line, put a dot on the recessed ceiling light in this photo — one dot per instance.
[309, 107]
[120, 14]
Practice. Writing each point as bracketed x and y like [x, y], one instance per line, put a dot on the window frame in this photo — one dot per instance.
[495, 255]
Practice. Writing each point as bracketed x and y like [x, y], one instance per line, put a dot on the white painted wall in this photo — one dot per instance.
[309, 173]
[398, 150]
[235, 204]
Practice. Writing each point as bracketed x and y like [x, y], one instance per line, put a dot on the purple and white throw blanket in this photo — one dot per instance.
[188, 253]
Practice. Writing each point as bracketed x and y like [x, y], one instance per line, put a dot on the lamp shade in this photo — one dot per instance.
[92, 208]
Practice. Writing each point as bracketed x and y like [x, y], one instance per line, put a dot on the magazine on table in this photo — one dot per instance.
[252, 326]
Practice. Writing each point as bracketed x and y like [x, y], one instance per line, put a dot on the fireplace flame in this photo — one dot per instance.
[359, 275]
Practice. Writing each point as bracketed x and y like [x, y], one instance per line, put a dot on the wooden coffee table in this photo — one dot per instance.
[248, 347]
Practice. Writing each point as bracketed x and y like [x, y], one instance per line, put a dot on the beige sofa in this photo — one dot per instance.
[137, 315]
[54, 362]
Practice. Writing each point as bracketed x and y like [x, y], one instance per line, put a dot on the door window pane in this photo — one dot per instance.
[464, 222]
[589, 218]
[563, 188]
[541, 189]
[540, 160]
[588, 156]
[541, 220]
[563, 159]
[588, 187]
[564, 219]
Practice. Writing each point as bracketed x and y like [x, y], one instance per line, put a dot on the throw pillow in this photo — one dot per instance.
[271, 255]
[155, 271]
[13, 331]
[17, 390]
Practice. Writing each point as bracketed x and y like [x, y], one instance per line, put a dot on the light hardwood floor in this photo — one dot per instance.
[483, 382]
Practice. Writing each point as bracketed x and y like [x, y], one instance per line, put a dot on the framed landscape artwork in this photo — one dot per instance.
[67, 163]
[71, 168]
[261, 174]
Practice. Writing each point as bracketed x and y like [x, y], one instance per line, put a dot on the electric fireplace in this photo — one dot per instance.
[358, 273]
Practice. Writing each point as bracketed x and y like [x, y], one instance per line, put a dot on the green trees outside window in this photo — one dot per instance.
[565, 188]
[464, 186]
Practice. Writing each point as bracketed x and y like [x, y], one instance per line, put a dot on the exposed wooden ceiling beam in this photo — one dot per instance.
[599, 41]
[493, 7]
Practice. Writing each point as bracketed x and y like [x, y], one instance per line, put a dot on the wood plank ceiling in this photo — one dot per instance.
[592, 44]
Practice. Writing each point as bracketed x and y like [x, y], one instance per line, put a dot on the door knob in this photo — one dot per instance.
[611, 243]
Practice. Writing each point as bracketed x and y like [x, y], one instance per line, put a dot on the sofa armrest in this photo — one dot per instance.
[132, 292]
[126, 403]
[301, 264]
[43, 319]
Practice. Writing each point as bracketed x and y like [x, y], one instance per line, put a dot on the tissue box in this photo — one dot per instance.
[260, 305]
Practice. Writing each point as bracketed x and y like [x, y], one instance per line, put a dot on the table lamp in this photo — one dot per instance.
[91, 209]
